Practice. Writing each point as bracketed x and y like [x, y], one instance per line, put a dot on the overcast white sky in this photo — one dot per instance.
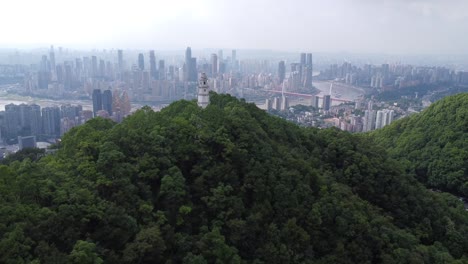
[370, 26]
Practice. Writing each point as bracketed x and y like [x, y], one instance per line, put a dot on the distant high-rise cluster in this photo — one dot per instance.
[281, 71]
[326, 102]
[111, 105]
[300, 75]
[190, 72]
[388, 77]
[48, 122]
[376, 119]
[277, 103]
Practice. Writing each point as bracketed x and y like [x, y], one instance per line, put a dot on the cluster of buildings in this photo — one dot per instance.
[372, 120]
[348, 117]
[47, 123]
[141, 75]
[113, 105]
[300, 74]
[392, 76]
[376, 119]
[75, 75]
[114, 78]
[50, 123]
[277, 103]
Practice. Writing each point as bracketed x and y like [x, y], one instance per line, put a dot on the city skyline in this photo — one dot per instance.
[395, 27]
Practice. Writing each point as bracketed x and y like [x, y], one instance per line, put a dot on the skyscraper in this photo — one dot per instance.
[78, 68]
[52, 59]
[307, 77]
[25, 117]
[97, 101]
[309, 64]
[384, 117]
[379, 120]
[234, 60]
[369, 120]
[281, 71]
[220, 55]
[51, 121]
[162, 70]
[107, 101]
[68, 78]
[188, 64]
[303, 59]
[153, 71]
[309, 60]
[35, 119]
[234, 56]
[326, 102]
[102, 68]
[94, 66]
[314, 101]
[193, 69]
[214, 64]
[284, 103]
[141, 62]
[44, 73]
[120, 60]
[12, 120]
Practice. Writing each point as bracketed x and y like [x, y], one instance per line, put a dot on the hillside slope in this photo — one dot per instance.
[433, 144]
[227, 184]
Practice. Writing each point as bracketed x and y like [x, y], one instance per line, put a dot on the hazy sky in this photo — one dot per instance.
[389, 26]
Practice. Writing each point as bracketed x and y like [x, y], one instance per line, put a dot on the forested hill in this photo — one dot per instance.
[227, 184]
[433, 144]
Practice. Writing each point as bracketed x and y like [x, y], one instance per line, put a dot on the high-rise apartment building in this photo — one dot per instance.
[12, 120]
[94, 66]
[97, 101]
[141, 62]
[43, 77]
[309, 60]
[326, 102]
[214, 64]
[384, 117]
[68, 77]
[162, 70]
[120, 60]
[52, 59]
[234, 56]
[153, 70]
[35, 119]
[369, 120]
[303, 59]
[188, 64]
[314, 101]
[281, 71]
[107, 101]
[51, 121]
[307, 82]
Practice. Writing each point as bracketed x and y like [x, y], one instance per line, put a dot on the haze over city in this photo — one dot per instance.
[234, 131]
[363, 26]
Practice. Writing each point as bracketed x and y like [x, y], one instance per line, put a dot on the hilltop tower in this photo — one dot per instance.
[203, 91]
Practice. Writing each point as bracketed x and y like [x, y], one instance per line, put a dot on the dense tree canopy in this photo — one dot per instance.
[433, 144]
[225, 184]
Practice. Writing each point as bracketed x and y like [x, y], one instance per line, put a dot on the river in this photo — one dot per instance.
[339, 90]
